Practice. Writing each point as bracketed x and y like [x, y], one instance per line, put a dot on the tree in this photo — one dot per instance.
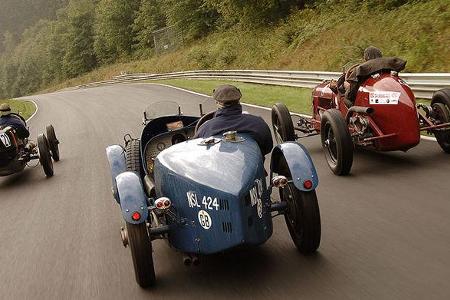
[114, 29]
[79, 56]
[194, 17]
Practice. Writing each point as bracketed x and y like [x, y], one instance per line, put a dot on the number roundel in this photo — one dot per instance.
[204, 219]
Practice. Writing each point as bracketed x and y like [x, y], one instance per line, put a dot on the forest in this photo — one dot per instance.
[45, 42]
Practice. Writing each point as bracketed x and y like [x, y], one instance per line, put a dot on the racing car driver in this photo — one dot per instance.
[7, 118]
[229, 117]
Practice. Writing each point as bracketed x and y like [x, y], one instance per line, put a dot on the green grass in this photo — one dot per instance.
[297, 99]
[22, 107]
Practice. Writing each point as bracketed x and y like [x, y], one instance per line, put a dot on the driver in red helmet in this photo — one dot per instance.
[229, 117]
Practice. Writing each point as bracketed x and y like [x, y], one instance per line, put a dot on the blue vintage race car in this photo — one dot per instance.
[206, 196]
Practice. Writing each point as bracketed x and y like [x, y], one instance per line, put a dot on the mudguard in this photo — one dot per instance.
[298, 161]
[117, 163]
[132, 197]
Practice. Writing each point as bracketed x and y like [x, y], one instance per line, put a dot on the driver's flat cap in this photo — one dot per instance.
[5, 107]
[226, 93]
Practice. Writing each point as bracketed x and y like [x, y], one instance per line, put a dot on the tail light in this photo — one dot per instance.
[307, 184]
[136, 216]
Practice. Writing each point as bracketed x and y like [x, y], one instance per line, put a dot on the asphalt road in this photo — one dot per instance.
[386, 228]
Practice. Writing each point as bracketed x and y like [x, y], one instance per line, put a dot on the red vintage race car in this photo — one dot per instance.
[384, 117]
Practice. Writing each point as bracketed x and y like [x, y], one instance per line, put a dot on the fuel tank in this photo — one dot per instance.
[218, 191]
[395, 111]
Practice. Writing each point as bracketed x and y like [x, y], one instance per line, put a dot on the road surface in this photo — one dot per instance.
[385, 228]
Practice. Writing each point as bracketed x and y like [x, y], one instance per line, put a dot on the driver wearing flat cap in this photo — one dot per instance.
[7, 118]
[229, 117]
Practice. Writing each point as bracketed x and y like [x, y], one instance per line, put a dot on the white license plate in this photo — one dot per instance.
[384, 97]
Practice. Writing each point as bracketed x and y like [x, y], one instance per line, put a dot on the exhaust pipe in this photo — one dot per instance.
[187, 260]
[124, 236]
[360, 110]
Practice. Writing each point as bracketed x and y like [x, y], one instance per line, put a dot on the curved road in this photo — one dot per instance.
[386, 228]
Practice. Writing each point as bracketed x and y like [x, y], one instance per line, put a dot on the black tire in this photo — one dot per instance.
[336, 142]
[442, 96]
[133, 155]
[302, 218]
[282, 125]
[44, 155]
[141, 253]
[442, 113]
[53, 142]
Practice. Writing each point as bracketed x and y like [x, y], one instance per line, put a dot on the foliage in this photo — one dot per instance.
[95, 39]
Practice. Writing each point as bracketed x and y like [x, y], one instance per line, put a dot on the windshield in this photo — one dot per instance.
[161, 109]
[208, 106]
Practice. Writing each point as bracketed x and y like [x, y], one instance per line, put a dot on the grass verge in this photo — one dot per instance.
[22, 107]
[297, 99]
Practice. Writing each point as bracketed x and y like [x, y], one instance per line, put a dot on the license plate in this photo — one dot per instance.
[384, 97]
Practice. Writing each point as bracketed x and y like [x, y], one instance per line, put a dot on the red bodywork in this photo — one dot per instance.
[390, 126]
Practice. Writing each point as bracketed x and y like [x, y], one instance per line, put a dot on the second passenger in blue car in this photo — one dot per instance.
[229, 117]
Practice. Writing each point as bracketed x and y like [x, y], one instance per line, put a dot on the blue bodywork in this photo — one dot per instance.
[299, 164]
[132, 197]
[219, 195]
[218, 180]
[117, 164]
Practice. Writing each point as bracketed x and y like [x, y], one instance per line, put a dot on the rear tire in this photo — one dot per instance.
[302, 218]
[44, 155]
[141, 253]
[53, 142]
[282, 125]
[336, 142]
[138, 238]
[442, 96]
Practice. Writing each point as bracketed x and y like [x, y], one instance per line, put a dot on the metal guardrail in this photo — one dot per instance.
[422, 84]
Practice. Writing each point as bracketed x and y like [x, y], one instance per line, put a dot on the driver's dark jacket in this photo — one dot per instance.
[231, 118]
[17, 123]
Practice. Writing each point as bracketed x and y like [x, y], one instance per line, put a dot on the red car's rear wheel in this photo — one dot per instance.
[441, 109]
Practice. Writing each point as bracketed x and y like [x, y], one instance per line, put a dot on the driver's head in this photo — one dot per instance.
[372, 52]
[5, 109]
[226, 95]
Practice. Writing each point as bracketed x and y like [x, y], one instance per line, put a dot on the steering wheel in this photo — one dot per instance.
[202, 120]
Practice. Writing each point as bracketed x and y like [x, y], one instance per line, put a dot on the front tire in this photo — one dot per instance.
[44, 155]
[141, 253]
[336, 142]
[441, 108]
[302, 218]
[282, 125]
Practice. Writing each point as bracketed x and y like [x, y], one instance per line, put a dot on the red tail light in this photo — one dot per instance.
[136, 216]
[307, 184]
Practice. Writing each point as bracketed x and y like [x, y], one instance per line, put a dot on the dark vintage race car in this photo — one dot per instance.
[384, 117]
[16, 153]
[206, 196]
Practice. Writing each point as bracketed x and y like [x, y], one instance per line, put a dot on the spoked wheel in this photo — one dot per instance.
[138, 237]
[336, 142]
[141, 253]
[53, 142]
[44, 155]
[441, 109]
[283, 128]
[302, 218]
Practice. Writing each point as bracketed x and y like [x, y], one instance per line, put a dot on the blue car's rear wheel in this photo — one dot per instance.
[282, 125]
[138, 238]
[302, 218]
[141, 253]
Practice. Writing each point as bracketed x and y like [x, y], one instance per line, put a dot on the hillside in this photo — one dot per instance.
[306, 35]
